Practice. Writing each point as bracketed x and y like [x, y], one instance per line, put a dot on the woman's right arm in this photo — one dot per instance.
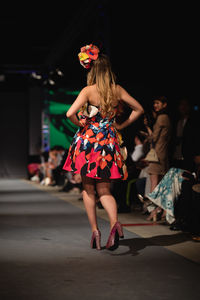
[137, 109]
[78, 103]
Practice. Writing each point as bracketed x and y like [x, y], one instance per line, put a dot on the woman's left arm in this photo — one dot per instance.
[137, 109]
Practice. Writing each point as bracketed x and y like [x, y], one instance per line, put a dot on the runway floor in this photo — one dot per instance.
[45, 252]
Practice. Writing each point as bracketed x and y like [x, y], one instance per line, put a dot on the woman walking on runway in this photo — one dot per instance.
[95, 149]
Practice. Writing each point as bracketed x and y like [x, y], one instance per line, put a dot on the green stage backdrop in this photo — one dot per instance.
[61, 129]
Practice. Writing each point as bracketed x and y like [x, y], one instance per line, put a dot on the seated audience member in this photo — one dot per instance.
[178, 196]
[74, 183]
[36, 167]
[58, 173]
[49, 167]
[194, 214]
[187, 208]
[119, 187]
[142, 183]
[166, 193]
[34, 171]
[184, 149]
[138, 152]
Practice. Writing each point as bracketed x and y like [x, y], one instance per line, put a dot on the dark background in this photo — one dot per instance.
[153, 51]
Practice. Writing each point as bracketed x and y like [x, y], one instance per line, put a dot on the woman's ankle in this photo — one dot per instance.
[112, 224]
[94, 228]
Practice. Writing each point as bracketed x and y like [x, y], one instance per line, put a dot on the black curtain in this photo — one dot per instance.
[14, 134]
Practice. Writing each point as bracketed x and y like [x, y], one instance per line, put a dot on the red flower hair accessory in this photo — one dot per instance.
[87, 55]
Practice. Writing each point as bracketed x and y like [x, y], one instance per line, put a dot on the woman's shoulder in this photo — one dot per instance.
[87, 88]
[88, 91]
[163, 116]
[119, 90]
[93, 88]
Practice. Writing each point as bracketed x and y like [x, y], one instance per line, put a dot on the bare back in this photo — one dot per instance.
[90, 93]
[94, 97]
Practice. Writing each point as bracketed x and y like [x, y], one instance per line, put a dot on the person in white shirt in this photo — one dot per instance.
[138, 150]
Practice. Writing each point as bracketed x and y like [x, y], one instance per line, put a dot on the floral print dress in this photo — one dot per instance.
[167, 192]
[95, 149]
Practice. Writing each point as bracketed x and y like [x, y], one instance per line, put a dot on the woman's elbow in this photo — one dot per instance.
[68, 115]
[141, 110]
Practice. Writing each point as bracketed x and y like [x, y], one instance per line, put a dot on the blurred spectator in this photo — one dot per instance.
[178, 194]
[167, 192]
[48, 166]
[57, 173]
[185, 136]
[123, 190]
[48, 169]
[142, 183]
[34, 172]
[138, 150]
[187, 208]
[159, 137]
[74, 183]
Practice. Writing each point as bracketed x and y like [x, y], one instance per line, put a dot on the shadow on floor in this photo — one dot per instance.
[135, 245]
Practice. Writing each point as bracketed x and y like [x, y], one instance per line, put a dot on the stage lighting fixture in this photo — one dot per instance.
[51, 82]
[36, 76]
[59, 72]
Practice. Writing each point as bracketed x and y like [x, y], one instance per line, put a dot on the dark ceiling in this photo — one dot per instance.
[146, 45]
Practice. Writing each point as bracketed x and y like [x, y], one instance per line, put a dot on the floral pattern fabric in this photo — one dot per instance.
[95, 149]
[167, 191]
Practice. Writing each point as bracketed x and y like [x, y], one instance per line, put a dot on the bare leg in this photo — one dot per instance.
[107, 200]
[154, 178]
[90, 201]
[153, 214]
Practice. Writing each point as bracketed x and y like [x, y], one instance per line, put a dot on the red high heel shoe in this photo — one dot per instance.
[115, 234]
[96, 240]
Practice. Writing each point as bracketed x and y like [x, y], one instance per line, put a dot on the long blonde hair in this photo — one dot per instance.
[105, 80]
